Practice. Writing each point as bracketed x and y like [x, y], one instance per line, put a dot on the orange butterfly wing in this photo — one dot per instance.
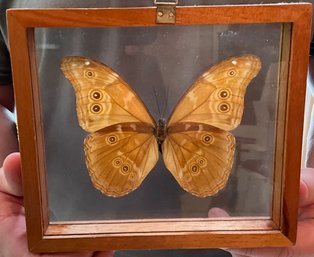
[217, 97]
[119, 157]
[103, 98]
[122, 149]
[212, 105]
[199, 156]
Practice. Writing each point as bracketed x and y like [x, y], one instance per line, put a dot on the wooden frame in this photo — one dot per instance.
[46, 236]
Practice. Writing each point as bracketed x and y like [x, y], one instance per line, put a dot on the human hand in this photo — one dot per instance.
[8, 142]
[304, 246]
[13, 236]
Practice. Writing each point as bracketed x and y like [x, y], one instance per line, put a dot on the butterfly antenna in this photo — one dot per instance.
[167, 101]
[157, 102]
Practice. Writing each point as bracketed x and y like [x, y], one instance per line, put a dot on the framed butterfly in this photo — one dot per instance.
[122, 147]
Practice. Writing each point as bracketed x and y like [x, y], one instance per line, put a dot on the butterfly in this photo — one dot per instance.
[122, 147]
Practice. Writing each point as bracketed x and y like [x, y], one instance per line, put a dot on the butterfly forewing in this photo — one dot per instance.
[103, 98]
[199, 156]
[119, 157]
[217, 97]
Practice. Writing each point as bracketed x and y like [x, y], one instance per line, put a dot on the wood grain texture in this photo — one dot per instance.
[146, 16]
[278, 179]
[30, 135]
[300, 37]
[71, 236]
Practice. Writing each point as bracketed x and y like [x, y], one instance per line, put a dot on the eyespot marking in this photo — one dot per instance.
[132, 176]
[112, 139]
[224, 107]
[117, 162]
[202, 162]
[232, 72]
[96, 108]
[96, 95]
[194, 169]
[125, 168]
[207, 139]
[224, 94]
[89, 74]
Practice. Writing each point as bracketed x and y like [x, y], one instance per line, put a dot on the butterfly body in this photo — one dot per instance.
[195, 143]
[161, 131]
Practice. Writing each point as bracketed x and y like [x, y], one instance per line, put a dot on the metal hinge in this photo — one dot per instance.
[166, 12]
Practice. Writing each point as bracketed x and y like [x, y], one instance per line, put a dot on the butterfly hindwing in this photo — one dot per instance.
[119, 157]
[199, 156]
[217, 97]
[103, 98]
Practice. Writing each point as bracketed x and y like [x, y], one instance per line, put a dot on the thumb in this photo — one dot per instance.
[10, 175]
[217, 213]
[307, 187]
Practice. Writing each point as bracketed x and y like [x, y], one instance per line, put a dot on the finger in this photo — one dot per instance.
[238, 252]
[80, 254]
[237, 255]
[257, 252]
[8, 142]
[73, 254]
[217, 212]
[307, 187]
[10, 175]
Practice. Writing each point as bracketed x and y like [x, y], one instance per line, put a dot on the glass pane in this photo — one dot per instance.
[160, 64]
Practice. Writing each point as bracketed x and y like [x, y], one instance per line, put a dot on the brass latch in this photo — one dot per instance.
[166, 12]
